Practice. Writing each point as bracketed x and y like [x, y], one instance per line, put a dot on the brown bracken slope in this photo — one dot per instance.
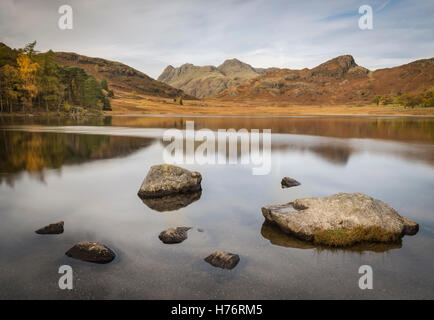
[120, 77]
[338, 81]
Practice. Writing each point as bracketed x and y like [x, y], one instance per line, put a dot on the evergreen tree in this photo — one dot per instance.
[104, 84]
[48, 79]
[9, 86]
[92, 95]
[107, 105]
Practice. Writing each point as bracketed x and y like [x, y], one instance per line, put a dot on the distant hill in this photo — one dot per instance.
[204, 81]
[337, 81]
[120, 76]
[8, 55]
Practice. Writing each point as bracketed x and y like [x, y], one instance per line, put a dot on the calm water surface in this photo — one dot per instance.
[87, 173]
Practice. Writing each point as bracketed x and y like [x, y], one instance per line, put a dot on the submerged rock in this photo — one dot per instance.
[92, 252]
[54, 228]
[342, 219]
[289, 182]
[174, 235]
[163, 180]
[277, 237]
[172, 202]
[224, 260]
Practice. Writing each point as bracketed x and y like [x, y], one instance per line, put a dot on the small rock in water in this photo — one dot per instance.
[289, 182]
[54, 228]
[174, 235]
[165, 179]
[92, 252]
[224, 260]
[199, 230]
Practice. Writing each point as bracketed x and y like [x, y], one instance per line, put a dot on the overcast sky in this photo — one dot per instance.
[148, 35]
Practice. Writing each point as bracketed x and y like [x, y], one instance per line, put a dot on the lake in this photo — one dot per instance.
[87, 173]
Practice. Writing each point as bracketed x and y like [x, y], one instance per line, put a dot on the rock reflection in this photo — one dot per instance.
[279, 238]
[172, 202]
[337, 154]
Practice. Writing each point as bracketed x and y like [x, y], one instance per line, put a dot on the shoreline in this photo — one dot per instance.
[137, 105]
[247, 116]
[175, 115]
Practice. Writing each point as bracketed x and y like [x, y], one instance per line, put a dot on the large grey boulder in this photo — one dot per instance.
[163, 180]
[174, 235]
[92, 252]
[54, 228]
[342, 219]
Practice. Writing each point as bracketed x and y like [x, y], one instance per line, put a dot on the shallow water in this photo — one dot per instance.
[87, 173]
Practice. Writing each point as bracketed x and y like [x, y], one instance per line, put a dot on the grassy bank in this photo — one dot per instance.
[140, 104]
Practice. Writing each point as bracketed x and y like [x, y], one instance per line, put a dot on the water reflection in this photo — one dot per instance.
[98, 202]
[420, 129]
[172, 202]
[279, 238]
[33, 152]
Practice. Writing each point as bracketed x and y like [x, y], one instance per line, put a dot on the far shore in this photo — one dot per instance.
[126, 104]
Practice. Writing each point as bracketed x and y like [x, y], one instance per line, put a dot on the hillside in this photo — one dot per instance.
[204, 81]
[120, 77]
[31, 81]
[337, 81]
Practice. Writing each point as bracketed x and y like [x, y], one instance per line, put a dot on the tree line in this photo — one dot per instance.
[31, 80]
[423, 99]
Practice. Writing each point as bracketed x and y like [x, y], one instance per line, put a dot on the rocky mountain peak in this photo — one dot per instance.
[203, 81]
[231, 66]
[337, 67]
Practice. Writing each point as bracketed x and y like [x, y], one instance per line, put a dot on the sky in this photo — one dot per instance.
[151, 34]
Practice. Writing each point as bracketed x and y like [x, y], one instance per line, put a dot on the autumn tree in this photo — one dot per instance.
[27, 74]
[386, 100]
[376, 100]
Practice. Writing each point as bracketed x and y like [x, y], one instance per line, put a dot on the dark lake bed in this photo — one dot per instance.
[87, 174]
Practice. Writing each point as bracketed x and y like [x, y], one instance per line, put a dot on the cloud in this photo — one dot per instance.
[151, 34]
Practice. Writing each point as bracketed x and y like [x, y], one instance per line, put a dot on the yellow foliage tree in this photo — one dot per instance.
[27, 72]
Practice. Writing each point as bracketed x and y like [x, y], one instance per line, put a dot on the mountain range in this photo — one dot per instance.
[339, 80]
